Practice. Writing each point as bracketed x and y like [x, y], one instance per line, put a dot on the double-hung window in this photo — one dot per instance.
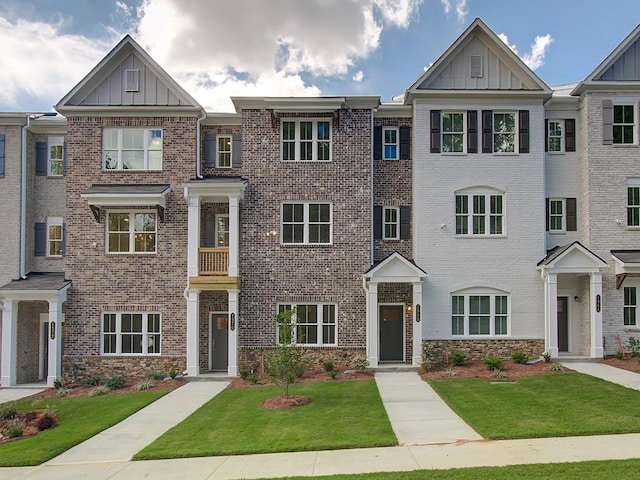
[132, 149]
[54, 236]
[390, 146]
[504, 132]
[222, 230]
[131, 232]
[131, 333]
[55, 158]
[633, 202]
[623, 124]
[556, 215]
[479, 213]
[479, 314]
[391, 223]
[555, 137]
[305, 223]
[453, 137]
[313, 323]
[630, 306]
[223, 152]
[306, 140]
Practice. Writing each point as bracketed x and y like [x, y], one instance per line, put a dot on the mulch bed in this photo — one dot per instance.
[30, 421]
[628, 363]
[311, 375]
[477, 369]
[77, 390]
[285, 402]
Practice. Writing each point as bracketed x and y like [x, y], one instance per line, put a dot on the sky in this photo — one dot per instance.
[220, 48]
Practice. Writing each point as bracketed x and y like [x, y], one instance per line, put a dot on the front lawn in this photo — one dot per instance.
[543, 406]
[79, 418]
[342, 414]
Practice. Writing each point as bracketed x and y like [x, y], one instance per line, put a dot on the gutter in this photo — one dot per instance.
[198, 147]
[23, 201]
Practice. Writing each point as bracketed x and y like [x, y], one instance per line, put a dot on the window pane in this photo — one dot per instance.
[306, 131]
[478, 204]
[133, 159]
[390, 135]
[133, 139]
[323, 130]
[462, 204]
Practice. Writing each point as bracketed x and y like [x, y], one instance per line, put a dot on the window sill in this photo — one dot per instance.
[625, 145]
[55, 176]
[479, 337]
[130, 254]
[136, 355]
[305, 161]
[480, 236]
[390, 159]
[556, 153]
[506, 154]
[557, 232]
[453, 154]
[54, 257]
[631, 329]
[633, 228]
[132, 170]
[298, 245]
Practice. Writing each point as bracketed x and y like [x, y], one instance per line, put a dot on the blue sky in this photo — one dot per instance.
[216, 49]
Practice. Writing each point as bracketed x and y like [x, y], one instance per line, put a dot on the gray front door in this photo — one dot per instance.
[391, 326]
[563, 324]
[219, 342]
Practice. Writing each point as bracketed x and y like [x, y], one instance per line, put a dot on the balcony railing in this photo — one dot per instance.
[214, 261]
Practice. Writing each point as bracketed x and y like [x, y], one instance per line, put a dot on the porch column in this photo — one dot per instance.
[193, 236]
[552, 313]
[234, 234]
[232, 368]
[193, 333]
[417, 324]
[595, 293]
[372, 325]
[55, 342]
[9, 342]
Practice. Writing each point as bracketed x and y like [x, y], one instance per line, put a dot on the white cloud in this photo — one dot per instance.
[534, 59]
[398, 12]
[460, 8]
[358, 77]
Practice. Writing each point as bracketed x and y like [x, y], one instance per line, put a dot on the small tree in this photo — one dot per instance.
[286, 363]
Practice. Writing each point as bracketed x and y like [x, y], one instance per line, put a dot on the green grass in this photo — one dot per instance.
[618, 469]
[79, 419]
[345, 414]
[543, 406]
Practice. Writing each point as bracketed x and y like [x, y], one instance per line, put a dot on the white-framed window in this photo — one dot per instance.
[131, 333]
[624, 124]
[131, 232]
[223, 151]
[132, 149]
[55, 156]
[390, 145]
[479, 212]
[313, 323]
[630, 308]
[306, 140]
[391, 223]
[555, 136]
[633, 202]
[505, 132]
[480, 313]
[305, 223]
[54, 236]
[453, 132]
[557, 215]
[222, 230]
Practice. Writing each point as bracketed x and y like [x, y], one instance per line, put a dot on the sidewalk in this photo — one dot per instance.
[9, 394]
[608, 373]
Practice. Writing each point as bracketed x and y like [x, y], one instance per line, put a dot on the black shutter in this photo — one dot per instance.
[435, 131]
[64, 159]
[405, 223]
[607, 122]
[40, 240]
[377, 143]
[547, 211]
[487, 131]
[41, 158]
[570, 135]
[404, 143]
[1, 155]
[209, 239]
[210, 151]
[236, 150]
[377, 222]
[524, 130]
[546, 136]
[572, 214]
[472, 131]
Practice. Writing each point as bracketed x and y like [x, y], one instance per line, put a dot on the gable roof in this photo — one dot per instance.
[621, 68]
[103, 89]
[395, 268]
[573, 257]
[508, 73]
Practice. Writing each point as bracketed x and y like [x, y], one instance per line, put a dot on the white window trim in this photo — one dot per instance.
[218, 151]
[119, 149]
[397, 144]
[562, 134]
[55, 142]
[217, 230]
[487, 193]
[385, 223]
[306, 223]
[631, 183]
[564, 216]
[516, 140]
[314, 140]
[54, 222]
[634, 105]
[635, 307]
[486, 292]
[464, 132]
[132, 232]
[320, 324]
[118, 333]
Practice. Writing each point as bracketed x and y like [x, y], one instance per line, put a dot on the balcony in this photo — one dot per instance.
[213, 270]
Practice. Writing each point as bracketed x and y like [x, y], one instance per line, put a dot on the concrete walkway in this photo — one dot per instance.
[9, 394]
[607, 372]
[417, 414]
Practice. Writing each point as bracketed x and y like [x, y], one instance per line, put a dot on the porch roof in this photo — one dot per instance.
[37, 286]
[110, 195]
[216, 189]
[571, 258]
[395, 268]
[627, 263]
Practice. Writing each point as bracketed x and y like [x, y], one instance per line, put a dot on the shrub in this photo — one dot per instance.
[450, 372]
[155, 376]
[48, 420]
[428, 357]
[244, 373]
[172, 373]
[520, 356]
[633, 347]
[99, 390]
[286, 363]
[457, 358]
[328, 366]
[499, 374]
[492, 362]
[63, 392]
[144, 385]
[15, 428]
[93, 381]
[8, 411]
[555, 367]
[546, 356]
[57, 383]
[115, 382]
[30, 416]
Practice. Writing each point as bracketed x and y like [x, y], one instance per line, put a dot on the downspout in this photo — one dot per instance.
[23, 201]
[198, 148]
[371, 189]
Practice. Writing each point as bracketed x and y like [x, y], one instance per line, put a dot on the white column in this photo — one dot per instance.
[234, 234]
[193, 236]
[193, 333]
[595, 293]
[9, 342]
[55, 342]
[552, 313]
[372, 325]
[232, 368]
[546, 310]
[417, 324]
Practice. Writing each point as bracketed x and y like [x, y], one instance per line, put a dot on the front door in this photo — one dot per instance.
[218, 341]
[563, 324]
[391, 327]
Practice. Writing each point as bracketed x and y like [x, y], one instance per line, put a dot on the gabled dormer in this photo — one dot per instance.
[128, 79]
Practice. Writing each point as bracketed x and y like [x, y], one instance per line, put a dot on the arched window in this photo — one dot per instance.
[480, 311]
[480, 212]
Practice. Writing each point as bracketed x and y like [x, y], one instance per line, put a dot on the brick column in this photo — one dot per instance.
[9, 342]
